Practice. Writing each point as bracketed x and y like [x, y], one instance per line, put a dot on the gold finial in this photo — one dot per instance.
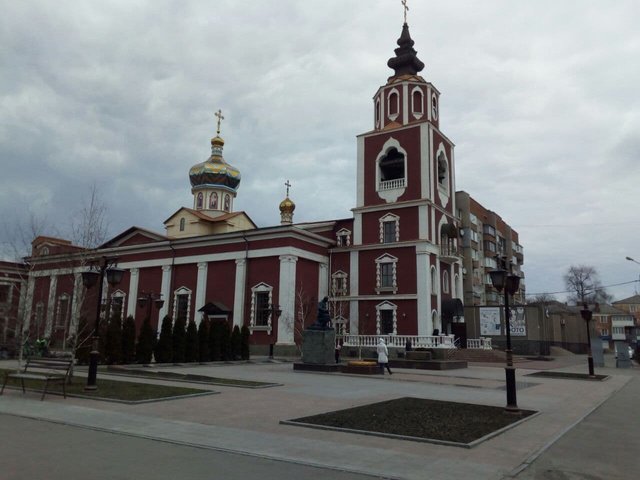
[287, 184]
[220, 117]
[406, 8]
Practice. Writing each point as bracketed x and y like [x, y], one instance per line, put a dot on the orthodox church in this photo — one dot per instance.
[393, 268]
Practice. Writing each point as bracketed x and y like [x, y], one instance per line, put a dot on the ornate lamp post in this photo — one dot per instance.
[586, 316]
[90, 277]
[501, 280]
[148, 300]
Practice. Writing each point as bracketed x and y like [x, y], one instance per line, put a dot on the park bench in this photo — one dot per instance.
[49, 370]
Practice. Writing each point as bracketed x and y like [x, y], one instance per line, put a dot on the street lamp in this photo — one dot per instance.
[586, 316]
[149, 299]
[501, 280]
[89, 278]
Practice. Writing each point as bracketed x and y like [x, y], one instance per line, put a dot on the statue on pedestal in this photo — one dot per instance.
[323, 322]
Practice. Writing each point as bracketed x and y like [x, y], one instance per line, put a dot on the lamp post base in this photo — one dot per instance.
[93, 367]
[512, 402]
[590, 362]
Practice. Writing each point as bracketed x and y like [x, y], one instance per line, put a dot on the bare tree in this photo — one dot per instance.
[305, 306]
[584, 284]
[542, 298]
[90, 226]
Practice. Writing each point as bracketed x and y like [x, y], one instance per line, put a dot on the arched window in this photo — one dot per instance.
[445, 282]
[227, 202]
[392, 165]
[182, 222]
[434, 107]
[378, 113]
[393, 104]
[443, 170]
[213, 201]
[417, 101]
[434, 281]
[199, 201]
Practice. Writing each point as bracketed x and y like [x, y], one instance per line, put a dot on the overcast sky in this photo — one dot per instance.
[540, 98]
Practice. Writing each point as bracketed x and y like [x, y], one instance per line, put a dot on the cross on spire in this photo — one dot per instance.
[220, 117]
[287, 184]
[406, 8]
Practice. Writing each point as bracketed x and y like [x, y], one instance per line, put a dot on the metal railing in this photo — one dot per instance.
[398, 341]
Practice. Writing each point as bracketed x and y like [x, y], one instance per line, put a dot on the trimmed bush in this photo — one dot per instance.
[203, 340]
[129, 340]
[225, 341]
[179, 340]
[191, 343]
[214, 341]
[113, 344]
[244, 342]
[164, 347]
[146, 342]
[236, 342]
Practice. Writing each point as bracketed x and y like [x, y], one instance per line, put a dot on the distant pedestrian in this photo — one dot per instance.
[383, 357]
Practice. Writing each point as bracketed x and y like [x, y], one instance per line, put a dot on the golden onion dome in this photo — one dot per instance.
[287, 206]
[215, 171]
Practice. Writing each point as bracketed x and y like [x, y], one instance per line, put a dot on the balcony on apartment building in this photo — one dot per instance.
[449, 253]
[619, 323]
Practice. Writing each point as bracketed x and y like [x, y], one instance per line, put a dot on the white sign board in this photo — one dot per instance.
[489, 321]
[518, 322]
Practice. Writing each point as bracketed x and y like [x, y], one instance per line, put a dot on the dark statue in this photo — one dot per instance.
[323, 322]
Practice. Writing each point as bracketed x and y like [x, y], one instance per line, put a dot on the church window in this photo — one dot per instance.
[116, 311]
[39, 317]
[434, 281]
[389, 228]
[343, 238]
[339, 284]
[417, 101]
[445, 282]
[213, 201]
[392, 170]
[199, 201]
[5, 294]
[181, 304]
[378, 113]
[261, 300]
[386, 274]
[443, 170]
[434, 107]
[340, 324]
[62, 312]
[182, 222]
[386, 319]
[393, 104]
[227, 202]
[44, 251]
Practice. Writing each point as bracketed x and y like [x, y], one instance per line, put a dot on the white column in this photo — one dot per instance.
[165, 289]
[51, 306]
[26, 319]
[405, 103]
[323, 280]
[287, 299]
[133, 291]
[424, 291]
[201, 289]
[354, 305]
[423, 222]
[439, 296]
[239, 292]
[78, 299]
[360, 167]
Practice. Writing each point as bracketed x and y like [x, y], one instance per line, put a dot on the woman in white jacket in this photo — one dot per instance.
[383, 356]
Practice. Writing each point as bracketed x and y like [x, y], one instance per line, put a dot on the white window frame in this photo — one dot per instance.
[386, 305]
[417, 113]
[343, 238]
[181, 291]
[62, 315]
[260, 288]
[434, 280]
[117, 294]
[341, 325]
[393, 92]
[388, 218]
[445, 281]
[386, 259]
[339, 284]
[434, 106]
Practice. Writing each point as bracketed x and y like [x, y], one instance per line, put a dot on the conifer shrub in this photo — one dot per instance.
[191, 343]
[215, 347]
[113, 343]
[203, 340]
[244, 343]
[179, 340]
[146, 342]
[225, 341]
[129, 340]
[164, 347]
[236, 342]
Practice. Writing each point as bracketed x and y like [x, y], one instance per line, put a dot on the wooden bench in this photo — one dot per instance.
[50, 370]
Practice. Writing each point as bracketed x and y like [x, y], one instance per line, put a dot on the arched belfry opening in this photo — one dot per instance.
[392, 165]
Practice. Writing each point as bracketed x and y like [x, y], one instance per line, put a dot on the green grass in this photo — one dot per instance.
[108, 389]
[188, 377]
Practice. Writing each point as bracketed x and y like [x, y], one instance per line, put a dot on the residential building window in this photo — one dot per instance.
[604, 332]
[386, 274]
[489, 230]
[386, 319]
[182, 304]
[339, 284]
[489, 246]
[261, 301]
[604, 320]
[389, 228]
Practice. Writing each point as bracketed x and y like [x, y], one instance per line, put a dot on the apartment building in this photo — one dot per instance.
[487, 242]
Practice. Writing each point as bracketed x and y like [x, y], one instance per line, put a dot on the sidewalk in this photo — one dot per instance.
[247, 421]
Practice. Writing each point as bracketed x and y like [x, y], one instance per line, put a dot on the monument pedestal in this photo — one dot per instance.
[318, 351]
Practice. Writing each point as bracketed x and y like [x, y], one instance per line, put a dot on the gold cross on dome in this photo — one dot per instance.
[220, 117]
[406, 8]
[287, 184]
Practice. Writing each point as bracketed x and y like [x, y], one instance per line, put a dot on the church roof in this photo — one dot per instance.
[203, 216]
[406, 61]
[134, 235]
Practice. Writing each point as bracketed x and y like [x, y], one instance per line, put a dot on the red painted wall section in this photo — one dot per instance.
[149, 281]
[340, 261]
[437, 140]
[262, 270]
[186, 276]
[408, 224]
[405, 268]
[221, 280]
[307, 277]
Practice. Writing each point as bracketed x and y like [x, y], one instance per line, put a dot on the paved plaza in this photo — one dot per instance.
[585, 429]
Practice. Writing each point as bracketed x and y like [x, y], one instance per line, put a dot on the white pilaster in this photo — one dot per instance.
[439, 297]
[287, 299]
[165, 289]
[357, 229]
[360, 167]
[133, 291]
[76, 305]
[28, 310]
[201, 289]
[423, 222]
[423, 291]
[239, 294]
[354, 288]
[51, 306]
[405, 103]
[425, 160]
[323, 280]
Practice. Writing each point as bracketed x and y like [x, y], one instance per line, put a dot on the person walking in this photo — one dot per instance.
[383, 357]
